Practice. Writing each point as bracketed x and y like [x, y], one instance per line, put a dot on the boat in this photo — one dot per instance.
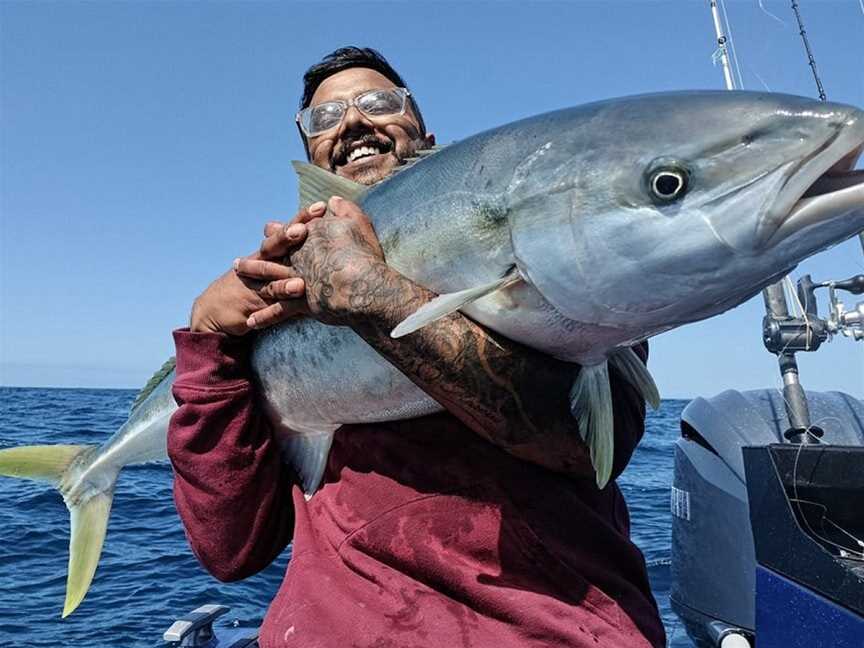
[766, 531]
[767, 499]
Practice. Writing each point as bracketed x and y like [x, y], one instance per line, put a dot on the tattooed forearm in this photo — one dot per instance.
[509, 394]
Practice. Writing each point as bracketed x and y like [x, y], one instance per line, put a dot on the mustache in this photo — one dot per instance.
[340, 152]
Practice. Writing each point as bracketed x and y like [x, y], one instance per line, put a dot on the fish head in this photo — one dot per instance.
[649, 212]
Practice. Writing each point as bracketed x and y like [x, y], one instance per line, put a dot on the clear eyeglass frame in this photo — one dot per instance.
[304, 117]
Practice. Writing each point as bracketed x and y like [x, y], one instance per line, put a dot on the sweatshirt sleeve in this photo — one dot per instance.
[231, 489]
[628, 410]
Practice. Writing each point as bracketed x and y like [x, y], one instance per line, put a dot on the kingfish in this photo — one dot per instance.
[579, 233]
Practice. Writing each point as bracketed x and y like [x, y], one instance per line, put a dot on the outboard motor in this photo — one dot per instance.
[714, 566]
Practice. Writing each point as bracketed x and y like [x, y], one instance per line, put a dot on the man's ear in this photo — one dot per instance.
[429, 138]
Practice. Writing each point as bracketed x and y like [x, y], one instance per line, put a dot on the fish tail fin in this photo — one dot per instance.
[39, 462]
[89, 523]
[60, 465]
[591, 404]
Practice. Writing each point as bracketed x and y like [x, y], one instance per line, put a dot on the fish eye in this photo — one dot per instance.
[668, 183]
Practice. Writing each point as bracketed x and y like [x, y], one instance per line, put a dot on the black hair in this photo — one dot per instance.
[345, 58]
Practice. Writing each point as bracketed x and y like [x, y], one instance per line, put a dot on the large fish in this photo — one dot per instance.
[579, 233]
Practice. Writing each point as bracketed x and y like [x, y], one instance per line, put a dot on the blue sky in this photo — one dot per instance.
[144, 145]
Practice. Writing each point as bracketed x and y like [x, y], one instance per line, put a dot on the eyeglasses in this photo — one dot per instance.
[315, 120]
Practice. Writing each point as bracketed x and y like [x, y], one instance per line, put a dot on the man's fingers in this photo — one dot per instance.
[345, 208]
[283, 289]
[263, 270]
[275, 313]
[283, 240]
[279, 234]
[272, 227]
[315, 210]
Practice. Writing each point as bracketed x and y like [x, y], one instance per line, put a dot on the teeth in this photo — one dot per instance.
[363, 151]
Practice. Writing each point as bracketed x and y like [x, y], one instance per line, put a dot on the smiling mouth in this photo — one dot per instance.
[361, 150]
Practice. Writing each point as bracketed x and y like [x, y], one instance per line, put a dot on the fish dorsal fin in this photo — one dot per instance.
[448, 303]
[591, 404]
[315, 184]
[153, 383]
[420, 154]
[636, 373]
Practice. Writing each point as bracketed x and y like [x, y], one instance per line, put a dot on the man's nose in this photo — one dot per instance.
[354, 120]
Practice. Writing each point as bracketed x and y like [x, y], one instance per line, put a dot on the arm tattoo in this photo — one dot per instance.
[511, 395]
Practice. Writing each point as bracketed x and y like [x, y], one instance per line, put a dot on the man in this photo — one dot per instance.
[480, 526]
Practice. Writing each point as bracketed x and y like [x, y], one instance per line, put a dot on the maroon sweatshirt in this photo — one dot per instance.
[422, 535]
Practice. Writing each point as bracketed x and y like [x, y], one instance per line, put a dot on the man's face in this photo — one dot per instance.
[389, 139]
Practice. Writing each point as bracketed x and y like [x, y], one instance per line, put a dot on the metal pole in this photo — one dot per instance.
[797, 410]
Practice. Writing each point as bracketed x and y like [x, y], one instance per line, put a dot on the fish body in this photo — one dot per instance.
[579, 233]
[564, 198]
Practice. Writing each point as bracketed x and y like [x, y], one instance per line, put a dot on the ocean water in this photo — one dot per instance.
[148, 576]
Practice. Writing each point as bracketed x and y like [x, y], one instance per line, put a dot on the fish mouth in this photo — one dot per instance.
[834, 194]
[822, 187]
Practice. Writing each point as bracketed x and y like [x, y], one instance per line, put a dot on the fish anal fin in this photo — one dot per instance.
[448, 303]
[591, 404]
[307, 451]
[316, 184]
[636, 373]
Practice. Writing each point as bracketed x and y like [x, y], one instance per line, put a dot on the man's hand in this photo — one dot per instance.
[339, 262]
[256, 282]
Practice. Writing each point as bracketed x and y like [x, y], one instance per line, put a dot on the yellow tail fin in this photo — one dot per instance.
[89, 522]
[89, 513]
[41, 462]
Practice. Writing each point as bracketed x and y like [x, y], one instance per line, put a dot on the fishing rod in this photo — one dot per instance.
[776, 308]
[783, 334]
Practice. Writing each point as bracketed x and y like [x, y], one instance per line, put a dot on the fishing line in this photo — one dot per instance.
[801, 309]
[799, 500]
[761, 80]
[778, 19]
[788, 291]
[732, 45]
[859, 553]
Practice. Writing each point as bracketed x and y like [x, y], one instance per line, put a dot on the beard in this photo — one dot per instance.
[374, 169]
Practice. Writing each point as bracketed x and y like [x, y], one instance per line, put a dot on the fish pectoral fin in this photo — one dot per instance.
[591, 404]
[448, 303]
[315, 184]
[89, 522]
[636, 373]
